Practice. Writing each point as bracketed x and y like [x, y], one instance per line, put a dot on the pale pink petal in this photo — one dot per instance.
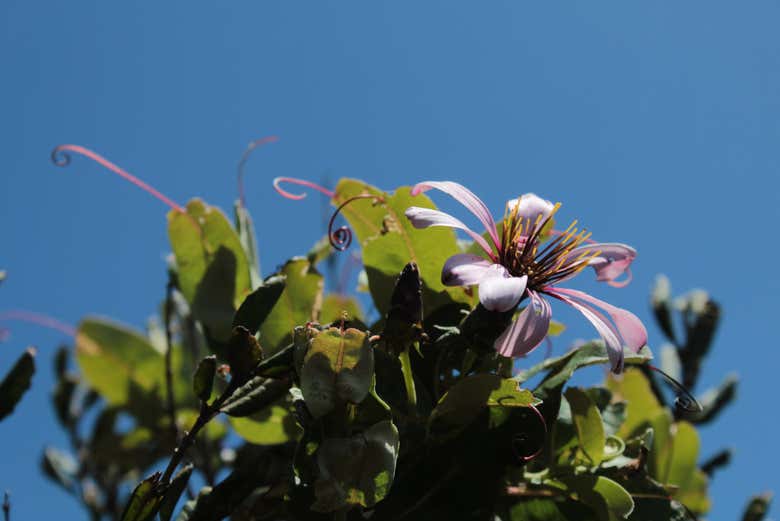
[466, 269]
[501, 292]
[528, 330]
[613, 261]
[531, 206]
[426, 217]
[628, 325]
[604, 328]
[467, 198]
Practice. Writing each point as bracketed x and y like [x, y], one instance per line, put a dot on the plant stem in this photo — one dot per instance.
[406, 370]
[171, 406]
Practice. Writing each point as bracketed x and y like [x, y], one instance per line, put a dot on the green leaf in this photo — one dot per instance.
[174, 492]
[467, 398]
[243, 353]
[545, 509]
[203, 379]
[681, 455]
[338, 366]
[336, 306]
[560, 369]
[642, 405]
[254, 396]
[588, 424]
[389, 241]
[211, 265]
[659, 508]
[144, 501]
[246, 234]
[607, 498]
[116, 360]
[299, 303]
[258, 305]
[272, 425]
[357, 470]
[16, 382]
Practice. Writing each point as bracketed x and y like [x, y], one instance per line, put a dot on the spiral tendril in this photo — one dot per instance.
[244, 158]
[39, 319]
[684, 401]
[61, 157]
[341, 237]
[301, 182]
[521, 438]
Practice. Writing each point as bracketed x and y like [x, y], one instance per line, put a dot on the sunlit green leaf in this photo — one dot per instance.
[299, 303]
[588, 424]
[116, 360]
[272, 425]
[336, 307]
[211, 265]
[607, 498]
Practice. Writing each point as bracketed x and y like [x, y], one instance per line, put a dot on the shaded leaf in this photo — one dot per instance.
[243, 353]
[607, 498]
[16, 382]
[357, 470]
[758, 507]
[258, 305]
[203, 379]
[338, 366]
[174, 492]
[60, 467]
[144, 501]
[246, 234]
[560, 369]
[337, 307]
[254, 396]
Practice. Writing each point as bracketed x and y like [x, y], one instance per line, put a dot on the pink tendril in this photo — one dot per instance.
[341, 238]
[38, 319]
[244, 157]
[60, 157]
[522, 437]
[301, 182]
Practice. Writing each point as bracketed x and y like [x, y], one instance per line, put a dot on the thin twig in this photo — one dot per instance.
[171, 406]
[7, 506]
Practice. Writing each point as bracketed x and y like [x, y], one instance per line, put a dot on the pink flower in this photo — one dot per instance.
[522, 263]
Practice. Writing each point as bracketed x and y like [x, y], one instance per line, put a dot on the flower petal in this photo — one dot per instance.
[613, 261]
[426, 217]
[531, 205]
[501, 292]
[466, 269]
[528, 330]
[604, 328]
[465, 197]
[628, 325]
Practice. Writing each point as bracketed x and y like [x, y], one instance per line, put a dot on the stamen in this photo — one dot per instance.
[60, 157]
[38, 319]
[684, 401]
[244, 157]
[341, 238]
[301, 182]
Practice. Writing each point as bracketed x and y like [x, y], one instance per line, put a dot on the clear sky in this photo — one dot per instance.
[655, 123]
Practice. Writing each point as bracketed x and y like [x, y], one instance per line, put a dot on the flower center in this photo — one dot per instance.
[526, 250]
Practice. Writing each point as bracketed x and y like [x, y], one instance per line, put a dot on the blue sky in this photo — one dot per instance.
[655, 123]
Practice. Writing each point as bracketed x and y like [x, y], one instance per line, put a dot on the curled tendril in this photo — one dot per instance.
[61, 157]
[38, 319]
[245, 157]
[301, 182]
[341, 237]
[684, 401]
[521, 439]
